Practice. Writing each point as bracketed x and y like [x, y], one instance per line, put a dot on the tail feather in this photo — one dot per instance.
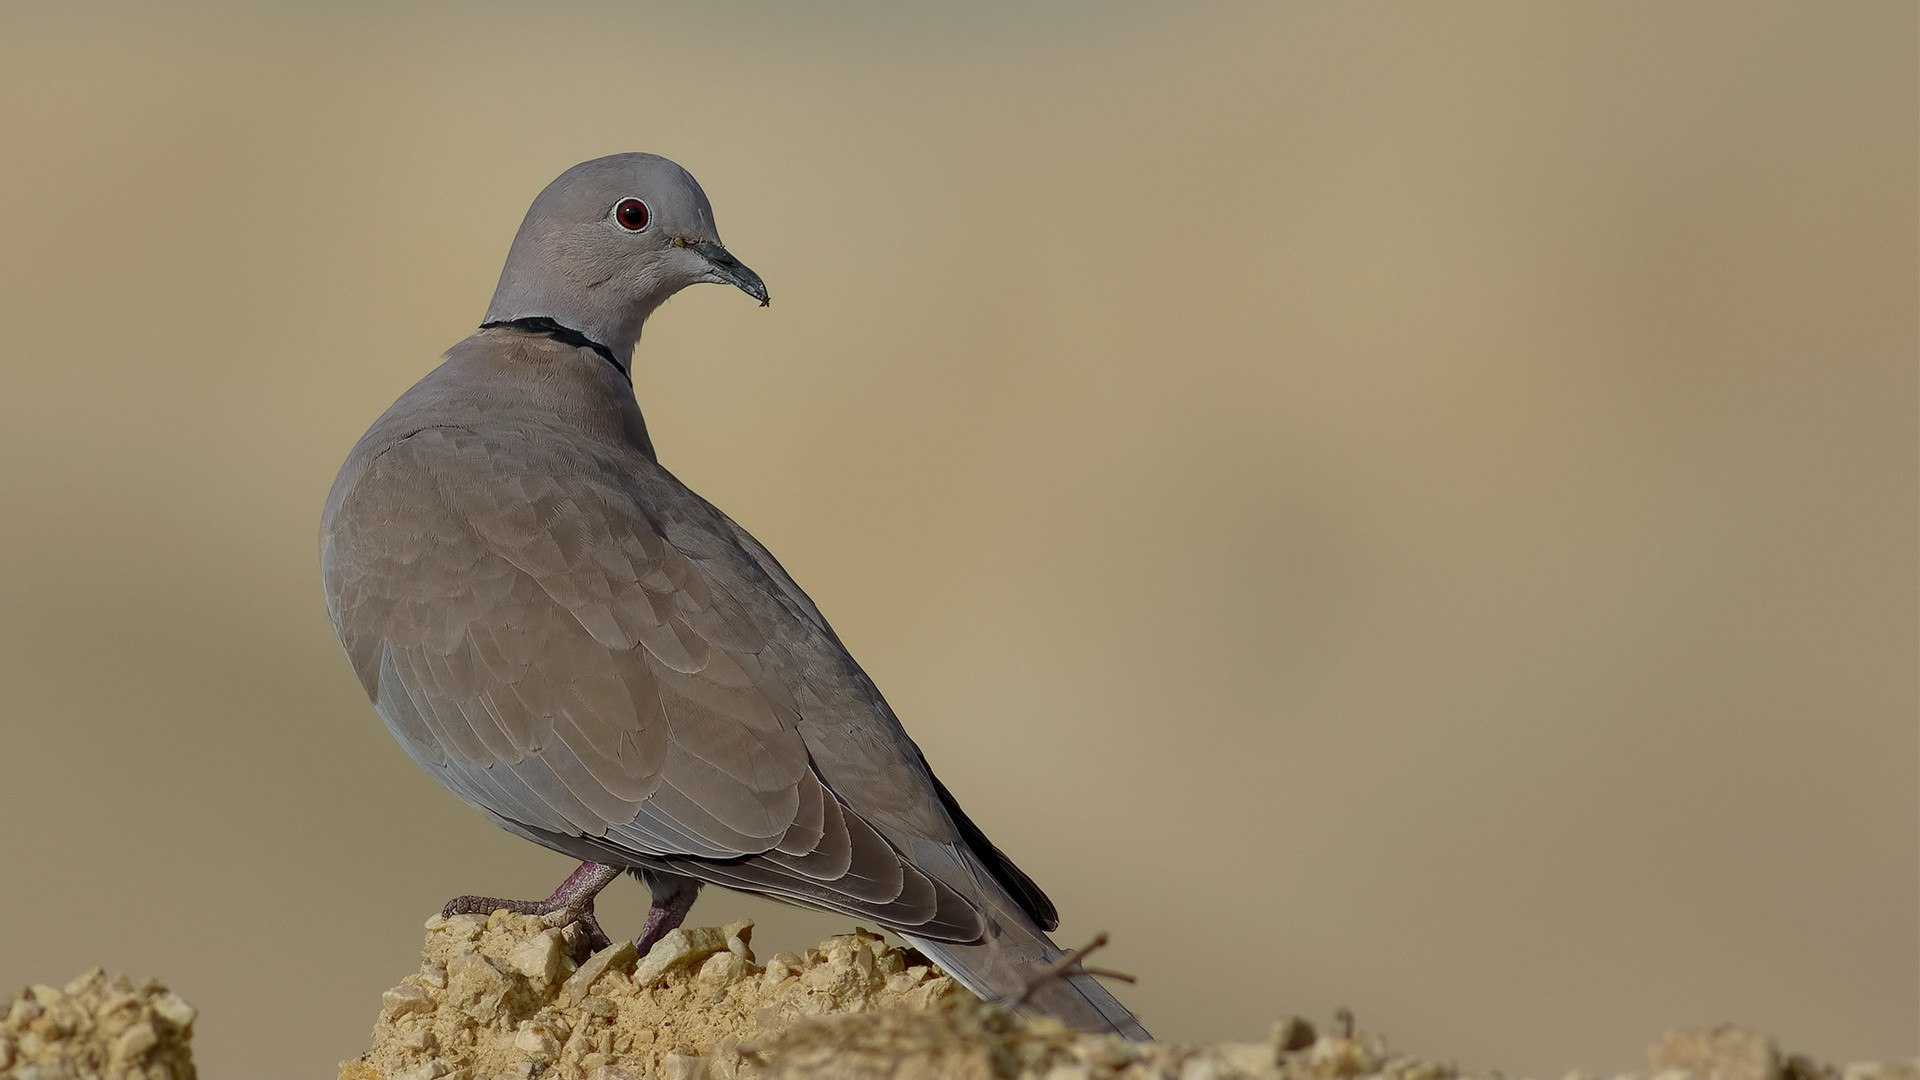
[1014, 951]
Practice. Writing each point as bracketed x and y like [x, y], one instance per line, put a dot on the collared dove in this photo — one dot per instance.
[562, 633]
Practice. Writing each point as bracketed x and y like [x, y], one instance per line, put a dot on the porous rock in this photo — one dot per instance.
[486, 1004]
[97, 1026]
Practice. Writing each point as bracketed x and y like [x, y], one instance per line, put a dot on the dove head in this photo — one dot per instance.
[610, 240]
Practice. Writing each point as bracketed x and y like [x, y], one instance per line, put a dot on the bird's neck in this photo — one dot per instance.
[556, 330]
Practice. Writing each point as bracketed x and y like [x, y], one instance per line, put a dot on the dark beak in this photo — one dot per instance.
[728, 269]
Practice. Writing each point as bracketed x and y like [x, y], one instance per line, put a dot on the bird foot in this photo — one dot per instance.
[590, 940]
[673, 897]
[570, 905]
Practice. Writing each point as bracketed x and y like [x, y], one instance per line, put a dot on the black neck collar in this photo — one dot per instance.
[565, 335]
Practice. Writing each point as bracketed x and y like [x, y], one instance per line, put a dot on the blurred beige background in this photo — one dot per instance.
[1430, 489]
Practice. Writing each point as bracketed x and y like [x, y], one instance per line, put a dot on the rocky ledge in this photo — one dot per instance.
[499, 997]
[503, 998]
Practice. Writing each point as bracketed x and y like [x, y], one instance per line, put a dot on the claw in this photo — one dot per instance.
[571, 903]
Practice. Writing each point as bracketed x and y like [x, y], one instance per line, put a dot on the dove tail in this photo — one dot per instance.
[1000, 967]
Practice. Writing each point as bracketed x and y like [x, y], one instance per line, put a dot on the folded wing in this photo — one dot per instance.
[612, 673]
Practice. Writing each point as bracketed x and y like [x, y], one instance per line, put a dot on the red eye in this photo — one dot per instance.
[632, 214]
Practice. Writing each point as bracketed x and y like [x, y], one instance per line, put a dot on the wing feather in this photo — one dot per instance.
[602, 662]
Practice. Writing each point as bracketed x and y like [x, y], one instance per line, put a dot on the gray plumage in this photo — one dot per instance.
[563, 634]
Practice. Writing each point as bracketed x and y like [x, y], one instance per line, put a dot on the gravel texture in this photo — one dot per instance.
[499, 997]
[98, 1025]
[502, 997]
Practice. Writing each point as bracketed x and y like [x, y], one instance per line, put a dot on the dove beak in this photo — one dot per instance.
[726, 269]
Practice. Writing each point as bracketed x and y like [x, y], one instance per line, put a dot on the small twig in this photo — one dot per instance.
[1067, 962]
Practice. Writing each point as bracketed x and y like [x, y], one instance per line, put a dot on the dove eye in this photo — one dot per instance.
[632, 214]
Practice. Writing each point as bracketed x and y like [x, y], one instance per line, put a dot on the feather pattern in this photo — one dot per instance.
[575, 643]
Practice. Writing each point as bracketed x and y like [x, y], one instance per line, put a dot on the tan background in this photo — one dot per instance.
[1410, 507]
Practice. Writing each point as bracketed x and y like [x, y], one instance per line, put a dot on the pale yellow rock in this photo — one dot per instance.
[1247, 1057]
[739, 937]
[404, 999]
[1197, 1069]
[931, 992]
[1108, 1055]
[853, 1009]
[1717, 1053]
[23, 1012]
[99, 1025]
[1867, 1070]
[539, 958]
[682, 1067]
[462, 927]
[133, 1043]
[536, 1043]
[473, 981]
[1333, 1056]
[617, 955]
[721, 969]
[681, 947]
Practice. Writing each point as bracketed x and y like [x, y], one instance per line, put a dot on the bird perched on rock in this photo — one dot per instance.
[562, 633]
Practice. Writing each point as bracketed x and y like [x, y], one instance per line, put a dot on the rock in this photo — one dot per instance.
[539, 958]
[99, 1025]
[1252, 1058]
[682, 1067]
[1866, 1070]
[783, 966]
[133, 1043]
[739, 937]
[619, 954]
[701, 1008]
[474, 982]
[174, 1009]
[680, 948]
[404, 999]
[536, 1043]
[722, 969]
[461, 927]
[1717, 1053]
[23, 1012]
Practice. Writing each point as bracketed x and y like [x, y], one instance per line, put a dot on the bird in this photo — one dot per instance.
[575, 643]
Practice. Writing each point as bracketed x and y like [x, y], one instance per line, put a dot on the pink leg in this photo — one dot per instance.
[572, 902]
